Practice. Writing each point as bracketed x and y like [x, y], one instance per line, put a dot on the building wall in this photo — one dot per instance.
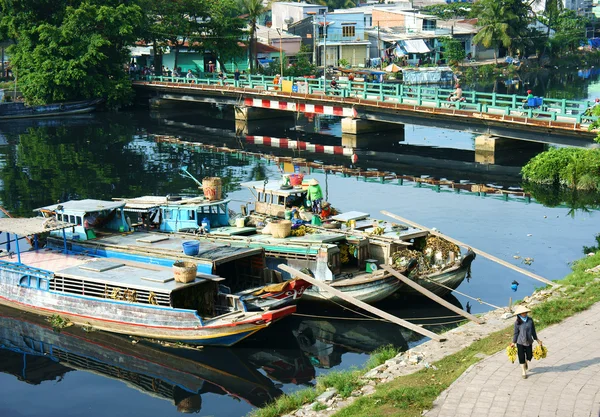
[387, 19]
[290, 47]
[281, 11]
[356, 55]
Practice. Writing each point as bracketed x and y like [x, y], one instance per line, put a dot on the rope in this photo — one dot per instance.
[463, 294]
[314, 316]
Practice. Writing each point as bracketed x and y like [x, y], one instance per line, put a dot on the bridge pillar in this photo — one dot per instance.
[357, 126]
[256, 113]
[495, 150]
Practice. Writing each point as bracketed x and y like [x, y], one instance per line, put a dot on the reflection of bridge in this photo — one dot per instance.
[368, 107]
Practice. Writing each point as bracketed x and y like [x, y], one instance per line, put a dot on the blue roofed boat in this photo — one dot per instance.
[118, 295]
[104, 229]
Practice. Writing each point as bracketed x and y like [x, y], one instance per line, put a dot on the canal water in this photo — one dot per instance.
[114, 155]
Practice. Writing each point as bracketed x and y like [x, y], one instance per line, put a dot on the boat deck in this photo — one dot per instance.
[126, 274]
[170, 244]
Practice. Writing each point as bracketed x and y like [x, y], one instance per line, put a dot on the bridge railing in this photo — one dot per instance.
[492, 103]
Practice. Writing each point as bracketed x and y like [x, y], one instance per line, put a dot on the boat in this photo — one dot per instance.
[19, 110]
[345, 252]
[34, 352]
[318, 252]
[102, 229]
[120, 296]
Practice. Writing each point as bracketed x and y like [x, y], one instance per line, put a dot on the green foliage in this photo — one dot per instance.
[343, 381]
[344, 63]
[70, 50]
[381, 355]
[58, 323]
[570, 32]
[453, 50]
[319, 407]
[571, 167]
[593, 249]
[449, 11]
[254, 9]
[503, 22]
[337, 4]
[286, 403]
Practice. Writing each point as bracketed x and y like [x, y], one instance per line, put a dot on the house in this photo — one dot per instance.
[342, 37]
[284, 14]
[412, 20]
[279, 38]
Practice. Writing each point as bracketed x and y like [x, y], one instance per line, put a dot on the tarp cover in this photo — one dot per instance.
[416, 46]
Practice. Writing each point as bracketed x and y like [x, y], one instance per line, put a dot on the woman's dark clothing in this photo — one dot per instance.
[524, 335]
[524, 351]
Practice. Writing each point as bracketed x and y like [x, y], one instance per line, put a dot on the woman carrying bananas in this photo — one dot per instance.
[523, 336]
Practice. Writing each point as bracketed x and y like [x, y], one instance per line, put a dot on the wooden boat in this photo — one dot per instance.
[121, 296]
[18, 110]
[319, 252]
[102, 229]
[44, 355]
[346, 258]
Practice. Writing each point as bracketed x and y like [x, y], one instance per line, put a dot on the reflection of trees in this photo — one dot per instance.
[553, 196]
[47, 164]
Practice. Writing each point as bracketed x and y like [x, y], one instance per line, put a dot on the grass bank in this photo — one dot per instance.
[411, 394]
[345, 382]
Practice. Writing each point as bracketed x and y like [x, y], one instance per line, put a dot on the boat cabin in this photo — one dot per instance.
[88, 217]
[175, 213]
[271, 200]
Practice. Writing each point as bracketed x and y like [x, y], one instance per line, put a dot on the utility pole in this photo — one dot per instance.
[280, 52]
[314, 60]
[378, 45]
[325, 45]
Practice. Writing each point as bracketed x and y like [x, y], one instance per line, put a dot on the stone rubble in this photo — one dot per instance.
[412, 360]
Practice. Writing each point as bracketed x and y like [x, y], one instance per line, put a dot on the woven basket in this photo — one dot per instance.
[212, 188]
[281, 228]
[184, 271]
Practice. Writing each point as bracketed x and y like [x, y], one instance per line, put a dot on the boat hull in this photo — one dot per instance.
[370, 290]
[21, 111]
[130, 318]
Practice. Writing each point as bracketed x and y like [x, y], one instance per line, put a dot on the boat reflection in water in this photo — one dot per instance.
[32, 351]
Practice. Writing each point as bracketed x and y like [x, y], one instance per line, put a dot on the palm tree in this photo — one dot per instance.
[495, 31]
[552, 9]
[254, 9]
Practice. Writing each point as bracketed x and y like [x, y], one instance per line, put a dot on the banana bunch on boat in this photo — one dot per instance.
[299, 231]
[540, 352]
[377, 231]
[344, 253]
[511, 352]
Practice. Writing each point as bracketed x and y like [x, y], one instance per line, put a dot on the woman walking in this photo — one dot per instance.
[523, 336]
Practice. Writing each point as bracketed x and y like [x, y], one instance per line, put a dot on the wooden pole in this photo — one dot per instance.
[431, 295]
[477, 251]
[295, 273]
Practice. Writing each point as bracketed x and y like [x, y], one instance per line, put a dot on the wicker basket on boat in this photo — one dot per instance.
[281, 228]
[184, 271]
[212, 188]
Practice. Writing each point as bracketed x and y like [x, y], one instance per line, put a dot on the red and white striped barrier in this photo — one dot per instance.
[299, 145]
[301, 107]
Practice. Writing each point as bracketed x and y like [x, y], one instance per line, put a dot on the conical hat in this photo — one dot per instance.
[313, 181]
[521, 310]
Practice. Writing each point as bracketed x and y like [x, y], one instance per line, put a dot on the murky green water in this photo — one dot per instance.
[111, 155]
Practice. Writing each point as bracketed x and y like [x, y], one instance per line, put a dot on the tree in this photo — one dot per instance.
[449, 11]
[176, 24]
[454, 52]
[254, 9]
[494, 17]
[337, 4]
[223, 31]
[70, 50]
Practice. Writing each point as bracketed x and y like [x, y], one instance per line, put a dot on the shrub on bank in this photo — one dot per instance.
[574, 168]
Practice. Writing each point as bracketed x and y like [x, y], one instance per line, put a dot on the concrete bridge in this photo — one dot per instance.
[369, 107]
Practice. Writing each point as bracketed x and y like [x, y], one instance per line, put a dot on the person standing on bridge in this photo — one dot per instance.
[190, 76]
[524, 334]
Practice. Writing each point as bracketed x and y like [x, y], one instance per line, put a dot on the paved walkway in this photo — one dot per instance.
[565, 384]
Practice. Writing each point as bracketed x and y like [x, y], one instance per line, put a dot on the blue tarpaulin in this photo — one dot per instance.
[594, 42]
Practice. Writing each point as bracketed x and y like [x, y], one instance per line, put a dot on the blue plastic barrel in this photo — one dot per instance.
[191, 248]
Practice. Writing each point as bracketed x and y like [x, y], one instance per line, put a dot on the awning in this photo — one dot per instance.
[31, 226]
[140, 50]
[416, 46]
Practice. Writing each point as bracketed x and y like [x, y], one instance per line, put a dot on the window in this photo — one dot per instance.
[428, 24]
[191, 215]
[34, 282]
[78, 220]
[167, 214]
[72, 219]
[348, 31]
